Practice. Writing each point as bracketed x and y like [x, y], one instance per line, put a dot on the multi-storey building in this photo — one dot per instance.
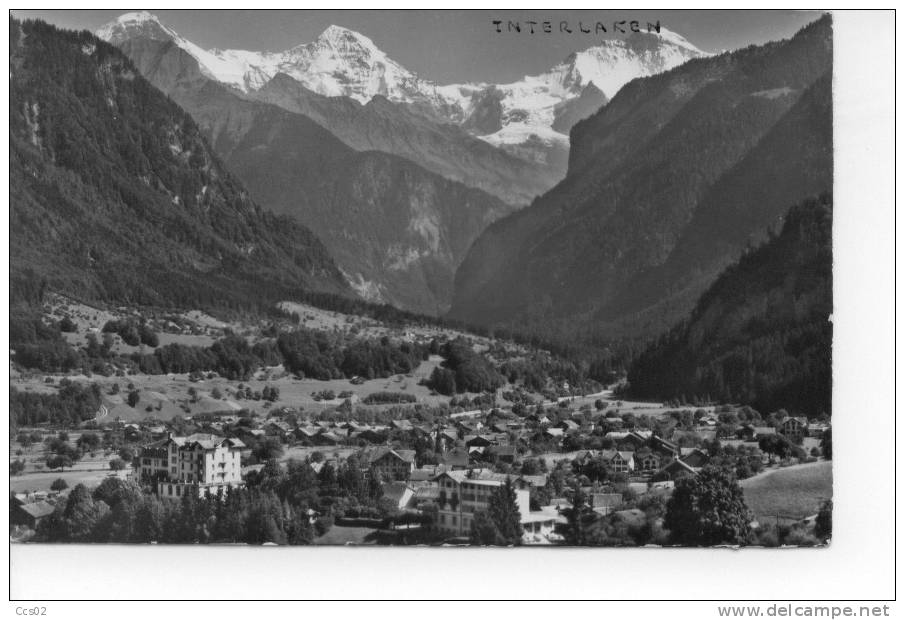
[463, 493]
[795, 429]
[390, 465]
[199, 464]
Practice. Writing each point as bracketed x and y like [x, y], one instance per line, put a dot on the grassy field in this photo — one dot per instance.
[89, 470]
[165, 396]
[793, 492]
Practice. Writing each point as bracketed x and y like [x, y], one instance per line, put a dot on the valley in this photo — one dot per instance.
[311, 297]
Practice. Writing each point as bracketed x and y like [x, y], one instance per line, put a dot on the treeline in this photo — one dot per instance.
[119, 511]
[388, 398]
[290, 505]
[761, 334]
[305, 352]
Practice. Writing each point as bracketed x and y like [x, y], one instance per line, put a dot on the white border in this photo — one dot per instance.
[858, 565]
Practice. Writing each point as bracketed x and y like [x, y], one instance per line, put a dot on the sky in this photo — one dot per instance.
[449, 46]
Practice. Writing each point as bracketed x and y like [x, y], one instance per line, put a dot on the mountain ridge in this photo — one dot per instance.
[638, 171]
[116, 196]
[396, 230]
[342, 62]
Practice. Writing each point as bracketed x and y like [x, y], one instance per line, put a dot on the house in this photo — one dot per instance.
[613, 424]
[478, 441]
[794, 429]
[278, 428]
[468, 427]
[553, 433]
[446, 439]
[534, 480]
[404, 426]
[693, 436]
[400, 493]
[389, 464]
[569, 426]
[462, 494]
[818, 429]
[328, 438]
[539, 526]
[619, 462]
[425, 492]
[627, 439]
[425, 473]
[506, 454]
[199, 463]
[457, 458]
[664, 447]
[31, 514]
[308, 433]
[678, 469]
[583, 458]
[648, 462]
[694, 457]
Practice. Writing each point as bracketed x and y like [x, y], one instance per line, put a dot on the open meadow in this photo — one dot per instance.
[793, 492]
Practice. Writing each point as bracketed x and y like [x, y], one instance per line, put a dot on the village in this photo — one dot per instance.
[435, 469]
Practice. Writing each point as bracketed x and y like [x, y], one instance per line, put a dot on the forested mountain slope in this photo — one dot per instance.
[761, 334]
[115, 195]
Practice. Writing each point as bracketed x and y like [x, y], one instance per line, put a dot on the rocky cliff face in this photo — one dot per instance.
[397, 231]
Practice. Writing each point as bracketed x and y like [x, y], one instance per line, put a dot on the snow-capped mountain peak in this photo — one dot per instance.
[134, 25]
[340, 38]
[342, 62]
[676, 39]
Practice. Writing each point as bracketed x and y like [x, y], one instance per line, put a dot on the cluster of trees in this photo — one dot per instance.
[388, 398]
[305, 352]
[119, 511]
[343, 490]
[464, 370]
[290, 505]
[500, 524]
[133, 333]
[325, 356]
[61, 453]
[69, 406]
[38, 344]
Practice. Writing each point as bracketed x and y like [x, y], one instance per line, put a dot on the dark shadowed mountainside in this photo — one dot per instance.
[667, 185]
[397, 231]
[761, 334]
[115, 195]
[444, 148]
